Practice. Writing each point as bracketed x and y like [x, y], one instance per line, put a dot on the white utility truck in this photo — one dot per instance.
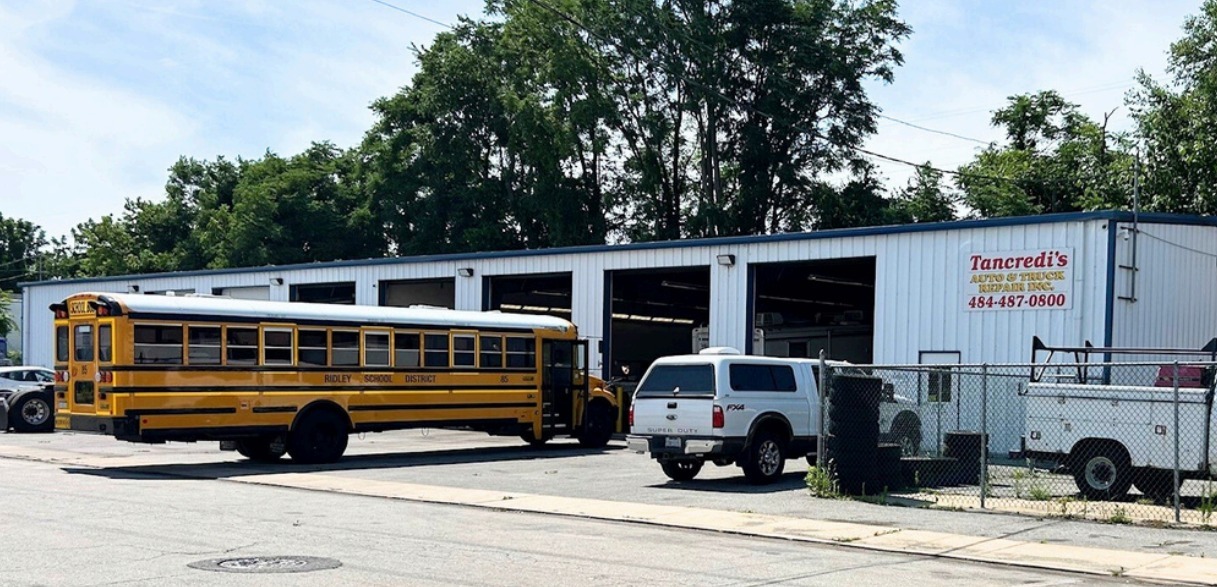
[727, 408]
[1113, 436]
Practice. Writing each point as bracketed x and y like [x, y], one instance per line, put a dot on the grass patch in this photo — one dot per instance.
[822, 481]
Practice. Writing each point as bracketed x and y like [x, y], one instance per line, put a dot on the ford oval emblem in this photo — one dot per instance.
[671, 416]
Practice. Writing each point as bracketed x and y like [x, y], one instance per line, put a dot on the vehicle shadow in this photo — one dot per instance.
[231, 469]
[788, 482]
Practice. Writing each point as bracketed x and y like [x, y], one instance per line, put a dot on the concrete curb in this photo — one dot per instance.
[1164, 568]
[1161, 568]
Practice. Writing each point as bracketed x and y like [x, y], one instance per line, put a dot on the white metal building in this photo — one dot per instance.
[969, 291]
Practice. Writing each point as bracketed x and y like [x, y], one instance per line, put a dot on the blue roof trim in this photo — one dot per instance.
[1114, 215]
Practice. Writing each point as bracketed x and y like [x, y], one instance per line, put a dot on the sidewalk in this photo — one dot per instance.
[1108, 562]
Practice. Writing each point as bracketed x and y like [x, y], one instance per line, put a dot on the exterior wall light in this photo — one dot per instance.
[133, 288]
[276, 281]
[726, 260]
[465, 271]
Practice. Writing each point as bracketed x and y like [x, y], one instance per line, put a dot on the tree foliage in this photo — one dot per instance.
[1175, 121]
[565, 122]
[1056, 159]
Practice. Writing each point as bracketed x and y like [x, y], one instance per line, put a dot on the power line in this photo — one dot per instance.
[414, 14]
[935, 131]
[1177, 245]
[572, 20]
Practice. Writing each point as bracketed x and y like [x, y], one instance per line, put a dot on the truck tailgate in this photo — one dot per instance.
[673, 416]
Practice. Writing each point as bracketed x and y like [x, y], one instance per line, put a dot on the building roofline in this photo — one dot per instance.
[1116, 215]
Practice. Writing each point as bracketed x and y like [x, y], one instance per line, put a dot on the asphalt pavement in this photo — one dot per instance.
[475, 461]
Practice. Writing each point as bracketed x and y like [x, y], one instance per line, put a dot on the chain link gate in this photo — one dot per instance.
[1120, 442]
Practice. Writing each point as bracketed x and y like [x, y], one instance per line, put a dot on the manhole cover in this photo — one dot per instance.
[267, 564]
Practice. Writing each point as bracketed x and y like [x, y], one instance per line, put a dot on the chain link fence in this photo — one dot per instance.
[1121, 442]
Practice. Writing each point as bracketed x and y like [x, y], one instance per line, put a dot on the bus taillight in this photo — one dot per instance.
[61, 376]
[105, 377]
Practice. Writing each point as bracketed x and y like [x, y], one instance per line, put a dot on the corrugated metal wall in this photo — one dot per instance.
[918, 296]
[1176, 287]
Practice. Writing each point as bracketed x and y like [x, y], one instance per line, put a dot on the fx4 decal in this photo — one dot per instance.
[735, 407]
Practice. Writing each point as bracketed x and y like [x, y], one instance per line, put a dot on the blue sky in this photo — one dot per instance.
[100, 97]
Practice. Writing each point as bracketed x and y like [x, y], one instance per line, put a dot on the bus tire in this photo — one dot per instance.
[597, 425]
[32, 413]
[533, 441]
[262, 449]
[319, 436]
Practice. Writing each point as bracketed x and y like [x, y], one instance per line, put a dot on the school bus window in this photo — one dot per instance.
[435, 350]
[406, 349]
[376, 349]
[312, 349]
[521, 352]
[205, 345]
[492, 352]
[61, 344]
[158, 344]
[241, 346]
[105, 343]
[346, 348]
[464, 350]
[276, 346]
[82, 342]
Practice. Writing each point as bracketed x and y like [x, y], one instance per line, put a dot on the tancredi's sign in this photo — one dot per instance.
[1039, 279]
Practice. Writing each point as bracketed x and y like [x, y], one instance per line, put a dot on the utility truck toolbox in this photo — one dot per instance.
[725, 408]
[1113, 437]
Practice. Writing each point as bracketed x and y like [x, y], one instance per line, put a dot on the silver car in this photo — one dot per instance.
[28, 393]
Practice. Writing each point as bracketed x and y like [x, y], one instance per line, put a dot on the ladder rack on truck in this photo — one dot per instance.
[1113, 436]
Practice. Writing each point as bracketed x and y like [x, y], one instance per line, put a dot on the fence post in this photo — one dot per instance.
[1176, 476]
[823, 401]
[984, 433]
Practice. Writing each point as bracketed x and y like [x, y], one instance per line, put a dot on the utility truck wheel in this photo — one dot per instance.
[1102, 472]
[681, 470]
[1156, 484]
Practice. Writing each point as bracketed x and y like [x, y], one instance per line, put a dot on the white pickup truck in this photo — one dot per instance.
[727, 408]
[1111, 437]
[724, 407]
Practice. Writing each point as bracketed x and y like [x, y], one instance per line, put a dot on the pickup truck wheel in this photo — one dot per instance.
[764, 459]
[1103, 473]
[681, 470]
[32, 413]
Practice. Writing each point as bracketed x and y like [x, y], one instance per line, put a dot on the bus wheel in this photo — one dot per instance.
[319, 437]
[263, 449]
[533, 441]
[32, 413]
[597, 425]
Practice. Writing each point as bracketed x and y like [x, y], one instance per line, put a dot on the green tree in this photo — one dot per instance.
[924, 199]
[1174, 122]
[1056, 160]
[306, 208]
[21, 249]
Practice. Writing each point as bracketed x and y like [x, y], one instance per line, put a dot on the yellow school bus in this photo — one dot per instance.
[275, 378]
